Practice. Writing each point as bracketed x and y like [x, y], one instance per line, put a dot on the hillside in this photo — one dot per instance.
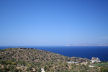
[33, 60]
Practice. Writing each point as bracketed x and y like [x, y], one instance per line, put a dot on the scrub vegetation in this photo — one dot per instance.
[32, 60]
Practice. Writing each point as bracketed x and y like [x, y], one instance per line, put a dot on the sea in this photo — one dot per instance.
[75, 51]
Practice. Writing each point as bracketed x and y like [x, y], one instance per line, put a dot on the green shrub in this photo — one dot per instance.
[104, 69]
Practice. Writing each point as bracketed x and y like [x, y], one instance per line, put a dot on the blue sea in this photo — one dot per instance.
[76, 51]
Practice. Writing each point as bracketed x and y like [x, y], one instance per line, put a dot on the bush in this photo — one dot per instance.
[104, 69]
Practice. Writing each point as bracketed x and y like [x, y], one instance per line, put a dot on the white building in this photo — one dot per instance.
[42, 70]
[72, 62]
[91, 66]
[95, 60]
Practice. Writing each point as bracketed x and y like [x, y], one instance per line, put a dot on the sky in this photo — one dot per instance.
[53, 22]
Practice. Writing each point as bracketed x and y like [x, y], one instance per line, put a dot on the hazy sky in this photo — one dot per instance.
[53, 22]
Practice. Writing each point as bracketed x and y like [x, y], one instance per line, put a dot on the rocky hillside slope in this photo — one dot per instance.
[32, 60]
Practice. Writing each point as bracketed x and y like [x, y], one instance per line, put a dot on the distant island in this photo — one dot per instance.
[34, 60]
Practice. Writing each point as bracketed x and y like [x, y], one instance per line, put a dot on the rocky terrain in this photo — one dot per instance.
[33, 60]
